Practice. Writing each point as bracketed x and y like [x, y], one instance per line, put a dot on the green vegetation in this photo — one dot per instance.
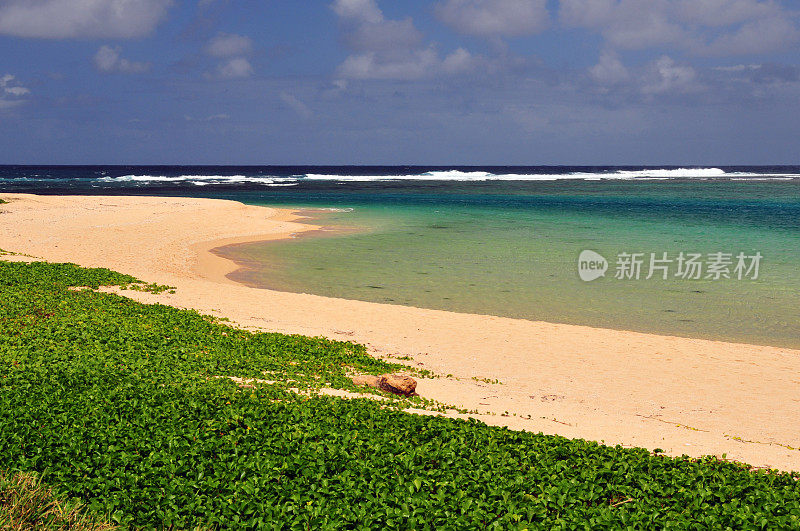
[25, 503]
[493, 381]
[118, 406]
[150, 288]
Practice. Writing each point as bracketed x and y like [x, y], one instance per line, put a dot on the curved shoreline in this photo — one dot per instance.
[239, 274]
[683, 395]
[213, 265]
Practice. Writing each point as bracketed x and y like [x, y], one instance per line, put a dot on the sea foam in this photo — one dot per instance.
[457, 175]
[204, 180]
[652, 174]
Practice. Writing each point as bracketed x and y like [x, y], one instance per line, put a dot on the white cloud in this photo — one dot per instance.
[65, 19]
[237, 67]
[760, 36]
[232, 50]
[716, 13]
[296, 105]
[736, 68]
[609, 70]
[664, 75]
[459, 61]
[210, 118]
[107, 59]
[769, 73]
[494, 18]
[16, 91]
[385, 49]
[335, 88]
[12, 93]
[586, 13]
[367, 30]
[402, 65]
[362, 11]
[228, 45]
[708, 27]
[390, 49]
[628, 24]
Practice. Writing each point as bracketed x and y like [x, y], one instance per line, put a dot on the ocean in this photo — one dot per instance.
[708, 252]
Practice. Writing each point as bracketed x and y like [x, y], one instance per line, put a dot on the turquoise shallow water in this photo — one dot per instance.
[511, 249]
[505, 240]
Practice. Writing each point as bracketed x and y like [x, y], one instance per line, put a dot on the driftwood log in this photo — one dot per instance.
[392, 383]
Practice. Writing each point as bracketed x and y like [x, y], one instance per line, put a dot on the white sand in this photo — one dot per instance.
[685, 396]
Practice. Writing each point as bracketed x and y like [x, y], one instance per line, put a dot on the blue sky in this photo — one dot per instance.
[412, 82]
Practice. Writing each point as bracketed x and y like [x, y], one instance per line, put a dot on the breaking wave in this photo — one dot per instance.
[644, 174]
[203, 180]
[389, 174]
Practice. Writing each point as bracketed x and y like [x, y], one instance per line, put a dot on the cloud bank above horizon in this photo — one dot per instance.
[369, 82]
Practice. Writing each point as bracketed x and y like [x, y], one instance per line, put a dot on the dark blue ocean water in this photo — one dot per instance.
[743, 194]
[138, 179]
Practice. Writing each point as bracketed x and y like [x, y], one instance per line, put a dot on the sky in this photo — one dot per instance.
[446, 82]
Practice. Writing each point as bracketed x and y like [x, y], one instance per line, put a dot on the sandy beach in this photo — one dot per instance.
[682, 395]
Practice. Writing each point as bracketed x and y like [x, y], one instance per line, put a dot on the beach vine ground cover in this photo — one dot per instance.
[115, 404]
